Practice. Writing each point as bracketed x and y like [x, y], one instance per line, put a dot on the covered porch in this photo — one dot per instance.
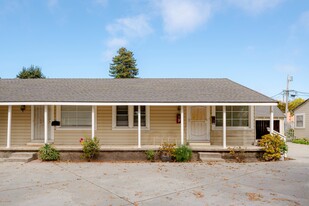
[176, 127]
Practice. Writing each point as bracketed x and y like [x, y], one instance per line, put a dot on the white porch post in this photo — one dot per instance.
[271, 125]
[8, 143]
[92, 121]
[139, 126]
[182, 127]
[45, 124]
[224, 127]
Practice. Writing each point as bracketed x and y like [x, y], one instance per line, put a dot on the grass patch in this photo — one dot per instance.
[301, 141]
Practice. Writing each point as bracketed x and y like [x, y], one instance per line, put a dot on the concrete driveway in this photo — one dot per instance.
[275, 183]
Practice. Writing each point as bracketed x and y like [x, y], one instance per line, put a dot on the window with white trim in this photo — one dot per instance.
[143, 116]
[126, 117]
[299, 120]
[236, 116]
[122, 116]
[75, 116]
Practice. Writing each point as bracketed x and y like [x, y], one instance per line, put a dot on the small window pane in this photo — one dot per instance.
[299, 121]
[122, 118]
[143, 116]
[219, 123]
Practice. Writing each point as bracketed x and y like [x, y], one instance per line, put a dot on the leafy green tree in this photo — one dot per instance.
[32, 72]
[292, 105]
[124, 65]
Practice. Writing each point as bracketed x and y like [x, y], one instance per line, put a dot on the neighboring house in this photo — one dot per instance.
[128, 111]
[262, 121]
[301, 120]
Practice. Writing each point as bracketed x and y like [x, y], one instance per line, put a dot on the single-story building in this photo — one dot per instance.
[262, 121]
[129, 111]
[301, 120]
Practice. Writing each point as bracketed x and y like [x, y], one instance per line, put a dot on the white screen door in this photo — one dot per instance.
[38, 121]
[199, 130]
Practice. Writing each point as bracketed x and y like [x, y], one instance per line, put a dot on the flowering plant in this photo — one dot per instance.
[91, 148]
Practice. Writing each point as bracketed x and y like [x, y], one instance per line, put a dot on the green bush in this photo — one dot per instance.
[183, 154]
[91, 148]
[301, 141]
[48, 153]
[150, 155]
[273, 147]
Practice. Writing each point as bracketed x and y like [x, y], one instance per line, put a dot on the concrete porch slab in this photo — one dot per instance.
[119, 148]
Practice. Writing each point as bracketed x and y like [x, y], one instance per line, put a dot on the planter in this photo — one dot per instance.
[165, 158]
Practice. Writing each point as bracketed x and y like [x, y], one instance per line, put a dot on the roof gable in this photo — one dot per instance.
[302, 104]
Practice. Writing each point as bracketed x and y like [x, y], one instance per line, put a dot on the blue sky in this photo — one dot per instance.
[256, 43]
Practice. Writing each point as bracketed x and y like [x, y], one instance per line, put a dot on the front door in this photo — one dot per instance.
[38, 123]
[199, 131]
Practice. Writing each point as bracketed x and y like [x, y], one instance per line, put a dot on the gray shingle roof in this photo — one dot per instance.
[128, 91]
[261, 111]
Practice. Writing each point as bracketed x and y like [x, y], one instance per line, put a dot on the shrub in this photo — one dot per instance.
[301, 141]
[91, 148]
[167, 151]
[48, 153]
[273, 147]
[290, 134]
[237, 153]
[150, 155]
[183, 154]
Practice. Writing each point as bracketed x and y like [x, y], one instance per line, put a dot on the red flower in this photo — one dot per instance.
[81, 140]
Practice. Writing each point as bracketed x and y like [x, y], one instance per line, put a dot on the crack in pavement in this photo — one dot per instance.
[202, 185]
[77, 175]
[37, 185]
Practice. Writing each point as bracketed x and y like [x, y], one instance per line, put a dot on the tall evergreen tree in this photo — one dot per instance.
[124, 65]
[32, 72]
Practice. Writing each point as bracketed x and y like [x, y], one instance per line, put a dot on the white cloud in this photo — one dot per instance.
[112, 45]
[183, 16]
[102, 3]
[123, 31]
[52, 3]
[287, 68]
[255, 6]
[304, 20]
[116, 42]
[130, 27]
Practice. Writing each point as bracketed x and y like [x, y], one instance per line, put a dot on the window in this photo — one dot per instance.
[122, 116]
[143, 116]
[299, 120]
[75, 116]
[126, 117]
[236, 116]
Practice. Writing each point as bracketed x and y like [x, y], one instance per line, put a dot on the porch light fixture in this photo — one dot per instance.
[22, 108]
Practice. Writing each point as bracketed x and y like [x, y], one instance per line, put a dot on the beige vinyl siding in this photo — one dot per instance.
[21, 125]
[163, 127]
[234, 137]
[3, 124]
[303, 132]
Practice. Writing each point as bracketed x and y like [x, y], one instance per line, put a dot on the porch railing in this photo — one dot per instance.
[277, 133]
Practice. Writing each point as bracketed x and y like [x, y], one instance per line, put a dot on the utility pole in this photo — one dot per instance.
[287, 93]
